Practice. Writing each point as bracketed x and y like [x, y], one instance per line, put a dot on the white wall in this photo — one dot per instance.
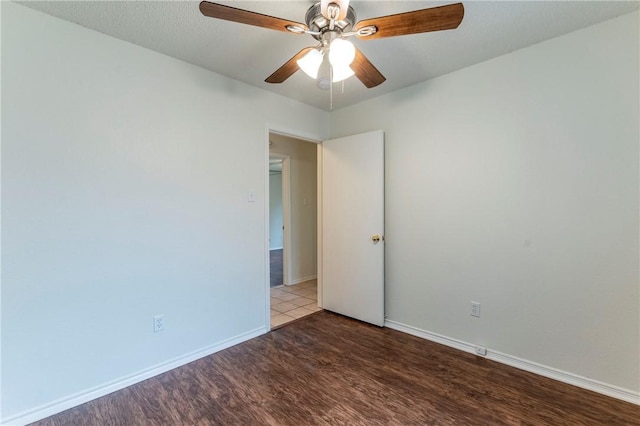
[303, 205]
[515, 183]
[275, 211]
[125, 177]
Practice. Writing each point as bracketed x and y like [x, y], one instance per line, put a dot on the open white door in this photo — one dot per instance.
[352, 218]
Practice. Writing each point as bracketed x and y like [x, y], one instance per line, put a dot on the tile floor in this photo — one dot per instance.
[289, 302]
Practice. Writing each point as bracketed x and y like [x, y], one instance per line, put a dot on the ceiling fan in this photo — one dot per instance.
[331, 22]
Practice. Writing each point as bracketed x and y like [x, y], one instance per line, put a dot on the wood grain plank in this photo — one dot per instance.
[365, 71]
[229, 13]
[326, 369]
[418, 21]
[288, 68]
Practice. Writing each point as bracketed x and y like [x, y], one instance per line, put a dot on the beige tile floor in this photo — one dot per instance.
[289, 302]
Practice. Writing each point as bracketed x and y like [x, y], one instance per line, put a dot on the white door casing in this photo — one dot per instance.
[352, 213]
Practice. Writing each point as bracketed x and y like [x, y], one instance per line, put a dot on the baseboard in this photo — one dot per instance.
[523, 364]
[303, 279]
[71, 401]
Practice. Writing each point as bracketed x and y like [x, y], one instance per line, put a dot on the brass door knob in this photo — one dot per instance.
[376, 239]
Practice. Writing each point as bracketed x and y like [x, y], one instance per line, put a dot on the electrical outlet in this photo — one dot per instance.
[475, 309]
[158, 323]
[481, 350]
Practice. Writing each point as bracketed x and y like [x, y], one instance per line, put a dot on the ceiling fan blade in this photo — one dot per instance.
[228, 13]
[366, 72]
[419, 21]
[288, 69]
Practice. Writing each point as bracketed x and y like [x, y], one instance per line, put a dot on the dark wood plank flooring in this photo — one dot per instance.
[326, 369]
[276, 268]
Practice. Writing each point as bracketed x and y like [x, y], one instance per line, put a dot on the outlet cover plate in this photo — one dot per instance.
[158, 323]
[475, 309]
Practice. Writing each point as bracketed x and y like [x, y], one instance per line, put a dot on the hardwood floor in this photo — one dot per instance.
[326, 369]
[276, 268]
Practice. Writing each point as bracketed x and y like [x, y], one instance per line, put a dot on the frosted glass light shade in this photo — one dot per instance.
[341, 72]
[310, 63]
[341, 52]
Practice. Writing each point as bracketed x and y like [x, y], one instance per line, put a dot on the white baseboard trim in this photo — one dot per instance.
[74, 400]
[523, 364]
[303, 279]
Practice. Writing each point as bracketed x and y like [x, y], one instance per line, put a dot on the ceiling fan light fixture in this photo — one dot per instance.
[324, 83]
[310, 63]
[329, 22]
[341, 53]
[341, 72]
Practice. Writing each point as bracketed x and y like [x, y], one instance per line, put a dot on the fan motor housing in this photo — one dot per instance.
[318, 23]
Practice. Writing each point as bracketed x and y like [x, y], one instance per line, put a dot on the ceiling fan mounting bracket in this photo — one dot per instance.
[318, 24]
[295, 29]
[367, 30]
[328, 36]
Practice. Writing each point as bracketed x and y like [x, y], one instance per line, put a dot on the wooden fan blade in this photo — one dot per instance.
[419, 21]
[288, 69]
[365, 71]
[228, 13]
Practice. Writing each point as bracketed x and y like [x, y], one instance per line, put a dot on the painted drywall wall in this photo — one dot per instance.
[514, 183]
[275, 211]
[125, 182]
[303, 205]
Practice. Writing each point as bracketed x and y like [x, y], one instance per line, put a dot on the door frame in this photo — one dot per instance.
[307, 137]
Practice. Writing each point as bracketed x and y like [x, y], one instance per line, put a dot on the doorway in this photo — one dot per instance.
[276, 219]
[293, 198]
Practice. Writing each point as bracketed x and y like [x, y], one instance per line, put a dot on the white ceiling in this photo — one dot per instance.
[250, 54]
